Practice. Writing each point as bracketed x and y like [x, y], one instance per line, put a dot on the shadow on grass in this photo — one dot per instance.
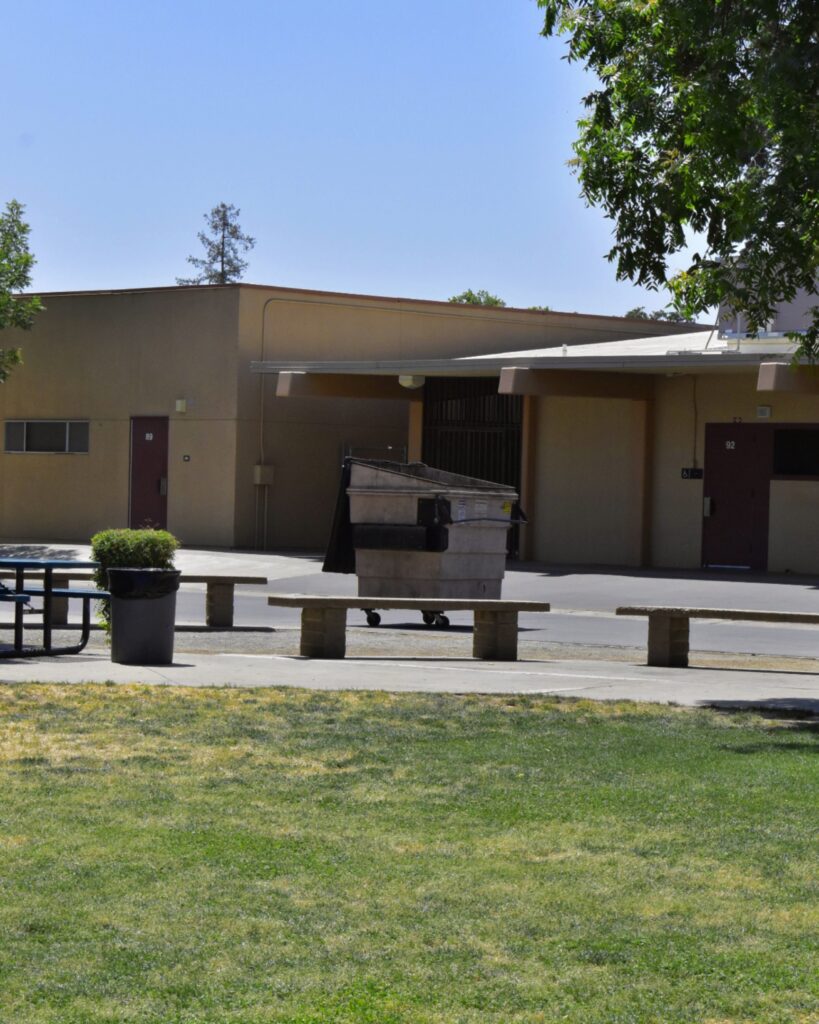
[804, 708]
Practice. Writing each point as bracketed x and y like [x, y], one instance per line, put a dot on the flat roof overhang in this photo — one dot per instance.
[623, 375]
[298, 384]
[381, 368]
[699, 362]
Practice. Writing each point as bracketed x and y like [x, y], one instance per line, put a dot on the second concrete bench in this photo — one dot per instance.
[324, 621]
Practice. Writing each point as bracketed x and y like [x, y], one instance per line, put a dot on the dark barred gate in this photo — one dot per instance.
[469, 428]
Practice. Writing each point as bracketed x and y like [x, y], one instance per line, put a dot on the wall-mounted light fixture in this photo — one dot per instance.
[411, 381]
[181, 405]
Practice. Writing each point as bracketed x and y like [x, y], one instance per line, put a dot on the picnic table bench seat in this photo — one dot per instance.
[219, 593]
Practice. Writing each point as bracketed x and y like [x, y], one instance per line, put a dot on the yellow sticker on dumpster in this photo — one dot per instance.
[507, 506]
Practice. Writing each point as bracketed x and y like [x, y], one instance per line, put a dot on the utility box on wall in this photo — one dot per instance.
[262, 475]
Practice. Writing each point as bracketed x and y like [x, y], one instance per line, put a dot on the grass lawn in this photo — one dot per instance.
[184, 856]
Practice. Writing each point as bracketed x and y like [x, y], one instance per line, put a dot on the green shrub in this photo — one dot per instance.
[129, 549]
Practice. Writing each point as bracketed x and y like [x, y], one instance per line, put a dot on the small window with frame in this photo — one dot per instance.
[60, 437]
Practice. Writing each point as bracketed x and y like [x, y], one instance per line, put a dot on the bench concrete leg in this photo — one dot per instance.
[495, 636]
[323, 632]
[668, 640]
[59, 605]
[219, 604]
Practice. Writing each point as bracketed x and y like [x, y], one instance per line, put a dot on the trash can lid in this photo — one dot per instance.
[142, 583]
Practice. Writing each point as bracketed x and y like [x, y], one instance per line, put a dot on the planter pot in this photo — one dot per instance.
[143, 614]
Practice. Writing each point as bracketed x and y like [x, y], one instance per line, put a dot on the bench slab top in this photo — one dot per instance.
[432, 604]
[721, 613]
[68, 592]
[187, 577]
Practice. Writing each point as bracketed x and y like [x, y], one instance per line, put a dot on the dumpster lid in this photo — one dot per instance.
[373, 474]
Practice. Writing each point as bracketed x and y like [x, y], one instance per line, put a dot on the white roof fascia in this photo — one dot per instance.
[720, 361]
[388, 367]
[697, 350]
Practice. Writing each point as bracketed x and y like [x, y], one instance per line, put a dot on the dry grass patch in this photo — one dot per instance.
[290, 857]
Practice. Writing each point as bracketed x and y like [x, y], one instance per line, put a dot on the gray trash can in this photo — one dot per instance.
[143, 614]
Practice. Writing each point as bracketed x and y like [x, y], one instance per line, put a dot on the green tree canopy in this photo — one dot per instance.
[16, 262]
[640, 313]
[706, 121]
[224, 243]
[478, 298]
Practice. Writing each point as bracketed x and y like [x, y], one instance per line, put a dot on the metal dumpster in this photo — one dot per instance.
[408, 530]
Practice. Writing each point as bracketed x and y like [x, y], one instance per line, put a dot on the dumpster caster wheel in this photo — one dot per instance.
[430, 618]
[441, 621]
[373, 618]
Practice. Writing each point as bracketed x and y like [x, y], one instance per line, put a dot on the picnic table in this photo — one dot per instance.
[22, 594]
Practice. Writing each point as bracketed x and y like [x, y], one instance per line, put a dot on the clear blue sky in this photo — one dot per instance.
[380, 147]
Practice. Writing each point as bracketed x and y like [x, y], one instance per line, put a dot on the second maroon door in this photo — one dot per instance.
[149, 472]
[738, 466]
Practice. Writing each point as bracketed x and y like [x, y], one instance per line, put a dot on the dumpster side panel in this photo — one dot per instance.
[381, 506]
[468, 590]
[479, 538]
[429, 565]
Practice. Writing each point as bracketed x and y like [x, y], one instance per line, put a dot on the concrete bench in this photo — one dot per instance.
[324, 621]
[668, 628]
[219, 596]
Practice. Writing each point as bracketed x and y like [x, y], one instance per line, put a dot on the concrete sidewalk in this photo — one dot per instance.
[595, 680]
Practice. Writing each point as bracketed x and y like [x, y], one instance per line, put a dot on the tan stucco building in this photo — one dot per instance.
[225, 412]
[141, 405]
[697, 449]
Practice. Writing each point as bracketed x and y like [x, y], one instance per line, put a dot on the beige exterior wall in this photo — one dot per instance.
[106, 357]
[201, 492]
[588, 481]
[684, 405]
[323, 326]
[593, 494]
[303, 439]
[46, 497]
[792, 543]
[286, 324]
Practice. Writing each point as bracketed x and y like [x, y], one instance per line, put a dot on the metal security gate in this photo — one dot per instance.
[470, 429]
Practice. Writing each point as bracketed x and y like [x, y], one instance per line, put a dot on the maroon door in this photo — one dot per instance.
[738, 466]
[149, 472]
